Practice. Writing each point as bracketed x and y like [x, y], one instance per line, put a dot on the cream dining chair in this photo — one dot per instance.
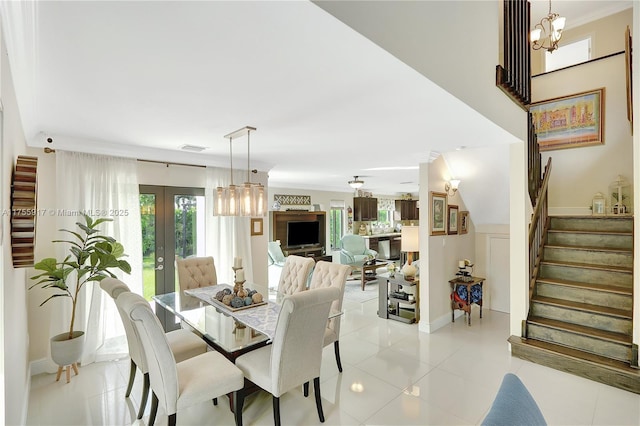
[328, 274]
[295, 274]
[194, 272]
[183, 343]
[295, 355]
[178, 385]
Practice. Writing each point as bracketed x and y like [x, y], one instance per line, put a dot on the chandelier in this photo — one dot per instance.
[356, 183]
[245, 200]
[547, 33]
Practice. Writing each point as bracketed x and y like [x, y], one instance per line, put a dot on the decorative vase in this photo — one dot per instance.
[67, 352]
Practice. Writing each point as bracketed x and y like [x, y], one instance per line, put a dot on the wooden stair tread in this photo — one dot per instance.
[585, 307]
[590, 248]
[588, 216]
[588, 286]
[586, 231]
[577, 353]
[588, 266]
[610, 336]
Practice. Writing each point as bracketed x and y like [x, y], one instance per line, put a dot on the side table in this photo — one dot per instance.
[464, 294]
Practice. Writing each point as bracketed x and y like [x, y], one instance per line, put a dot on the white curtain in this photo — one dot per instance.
[227, 237]
[100, 186]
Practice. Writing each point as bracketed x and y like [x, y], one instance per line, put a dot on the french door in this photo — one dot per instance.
[172, 227]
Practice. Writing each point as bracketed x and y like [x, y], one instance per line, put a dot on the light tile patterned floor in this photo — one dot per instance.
[393, 375]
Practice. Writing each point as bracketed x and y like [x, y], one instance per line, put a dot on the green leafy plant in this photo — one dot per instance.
[92, 258]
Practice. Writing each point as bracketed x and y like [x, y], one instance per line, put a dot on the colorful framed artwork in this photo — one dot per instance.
[438, 213]
[463, 222]
[256, 226]
[570, 121]
[452, 214]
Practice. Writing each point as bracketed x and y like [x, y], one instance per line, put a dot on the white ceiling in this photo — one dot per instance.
[142, 79]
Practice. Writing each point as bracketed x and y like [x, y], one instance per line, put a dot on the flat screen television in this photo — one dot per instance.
[303, 233]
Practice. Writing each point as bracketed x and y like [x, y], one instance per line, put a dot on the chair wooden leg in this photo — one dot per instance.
[276, 411]
[60, 368]
[238, 402]
[336, 349]
[145, 395]
[154, 409]
[132, 375]
[316, 390]
[172, 419]
[306, 389]
[215, 401]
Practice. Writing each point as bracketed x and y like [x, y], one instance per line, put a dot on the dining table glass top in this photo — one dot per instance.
[216, 326]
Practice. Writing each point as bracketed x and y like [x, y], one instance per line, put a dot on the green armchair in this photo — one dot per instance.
[353, 250]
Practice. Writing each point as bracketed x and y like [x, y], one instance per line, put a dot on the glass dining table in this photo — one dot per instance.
[216, 325]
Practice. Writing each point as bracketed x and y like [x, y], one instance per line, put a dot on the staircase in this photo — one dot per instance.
[580, 314]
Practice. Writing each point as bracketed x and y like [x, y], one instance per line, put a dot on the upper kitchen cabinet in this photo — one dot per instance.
[365, 209]
[408, 209]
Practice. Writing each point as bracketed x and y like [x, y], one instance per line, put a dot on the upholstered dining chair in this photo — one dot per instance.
[295, 355]
[328, 274]
[183, 343]
[194, 272]
[353, 249]
[295, 274]
[178, 385]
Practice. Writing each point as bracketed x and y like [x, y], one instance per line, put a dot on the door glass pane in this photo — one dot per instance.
[189, 227]
[148, 219]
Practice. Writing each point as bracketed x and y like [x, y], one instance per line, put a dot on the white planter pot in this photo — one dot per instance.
[66, 351]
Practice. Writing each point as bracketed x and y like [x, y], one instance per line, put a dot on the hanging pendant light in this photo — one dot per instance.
[547, 33]
[245, 200]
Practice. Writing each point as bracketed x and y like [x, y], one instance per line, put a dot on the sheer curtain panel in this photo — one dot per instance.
[100, 186]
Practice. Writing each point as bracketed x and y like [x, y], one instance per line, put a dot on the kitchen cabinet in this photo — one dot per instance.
[365, 209]
[408, 209]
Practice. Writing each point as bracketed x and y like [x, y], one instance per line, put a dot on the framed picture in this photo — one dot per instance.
[452, 214]
[438, 213]
[256, 226]
[570, 121]
[463, 222]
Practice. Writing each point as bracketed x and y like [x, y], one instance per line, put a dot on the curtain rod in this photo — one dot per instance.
[167, 163]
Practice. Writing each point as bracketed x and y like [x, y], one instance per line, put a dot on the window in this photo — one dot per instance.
[568, 54]
[336, 223]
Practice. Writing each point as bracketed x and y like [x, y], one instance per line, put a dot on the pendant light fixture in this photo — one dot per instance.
[547, 33]
[356, 183]
[245, 200]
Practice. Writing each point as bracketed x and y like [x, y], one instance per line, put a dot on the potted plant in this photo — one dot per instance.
[92, 258]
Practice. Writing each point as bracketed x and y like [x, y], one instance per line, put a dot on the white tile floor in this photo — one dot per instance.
[393, 375]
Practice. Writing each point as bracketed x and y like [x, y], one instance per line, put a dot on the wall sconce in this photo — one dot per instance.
[452, 186]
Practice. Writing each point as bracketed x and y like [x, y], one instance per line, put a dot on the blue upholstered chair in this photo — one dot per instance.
[353, 250]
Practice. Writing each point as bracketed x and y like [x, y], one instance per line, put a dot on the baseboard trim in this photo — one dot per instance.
[440, 322]
[43, 365]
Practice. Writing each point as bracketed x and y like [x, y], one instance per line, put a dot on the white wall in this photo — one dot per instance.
[13, 298]
[442, 251]
[578, 173]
